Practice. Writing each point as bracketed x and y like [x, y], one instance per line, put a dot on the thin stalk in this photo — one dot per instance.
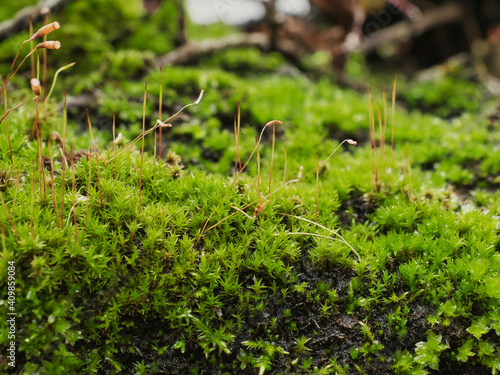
[154, 147]
[409, 167]
[6, 125]
[341, 239]
[56, 210]
[114, 141]
[159, 123]
[45, 58]
[73, 183]
[32, 201]
[31, 46]
[349, 141]
[54, 82]
[13, 109]
[40, 156]
[17, 55]
[9, 218]
[372, 137]
[272, 157]
[238, 140]
[393, 115]
[385, 124]
[142, 149]
[404, 162]
[235, 179]
[4, 246]
[292, 182]
[65, 163]
[88, 199]
[15, 191]
[38, 64]
[30, 54]
[160, 107]
[284, 171]
[96, 157]
[317, 182]
[380, 162]
[258, 176]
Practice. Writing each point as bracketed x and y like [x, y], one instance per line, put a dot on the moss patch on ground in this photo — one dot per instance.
[379, 260]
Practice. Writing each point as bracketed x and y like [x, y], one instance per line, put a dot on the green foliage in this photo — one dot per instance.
[110, 284]
[446, 96]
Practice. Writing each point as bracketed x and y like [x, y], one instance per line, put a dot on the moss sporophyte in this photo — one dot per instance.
[305, 260]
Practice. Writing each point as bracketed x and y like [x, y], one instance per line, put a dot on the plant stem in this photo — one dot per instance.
[158, 124]
[142, 149]
[73, 184]
[272, 157]
[32, 201]
[114, 139]
[160, 107]
[327, 229]
[317, 181]
[284, 171]
[52, 181]
[40, 156]
[9, 218]
[380, 163]
[45, 58]
[238, 140]
[258, 174]
[13, 109]
[54, 82]
[393, 114]
[64, 162]
[88, 198]
[31, 47]
[409, 167]
[6, 125]
[96, 157]
[372, 137]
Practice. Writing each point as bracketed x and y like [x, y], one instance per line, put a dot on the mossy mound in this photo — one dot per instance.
[380, 259]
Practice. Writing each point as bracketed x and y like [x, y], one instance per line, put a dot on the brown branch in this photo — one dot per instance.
[405, 30]
[193, 51]
[20, 21]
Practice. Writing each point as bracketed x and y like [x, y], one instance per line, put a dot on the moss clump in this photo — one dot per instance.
[385, 262]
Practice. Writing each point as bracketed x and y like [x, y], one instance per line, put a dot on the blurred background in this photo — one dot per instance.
[262, 54]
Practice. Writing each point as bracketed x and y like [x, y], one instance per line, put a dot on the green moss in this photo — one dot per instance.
[383, 241]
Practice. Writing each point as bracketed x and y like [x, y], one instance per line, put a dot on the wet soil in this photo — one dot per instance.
[332, 335]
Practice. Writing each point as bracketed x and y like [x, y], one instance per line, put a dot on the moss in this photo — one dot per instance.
[385, 262]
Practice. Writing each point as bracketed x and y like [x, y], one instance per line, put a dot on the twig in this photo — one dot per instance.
[21, 19]
[405, 30]
[193, 51]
